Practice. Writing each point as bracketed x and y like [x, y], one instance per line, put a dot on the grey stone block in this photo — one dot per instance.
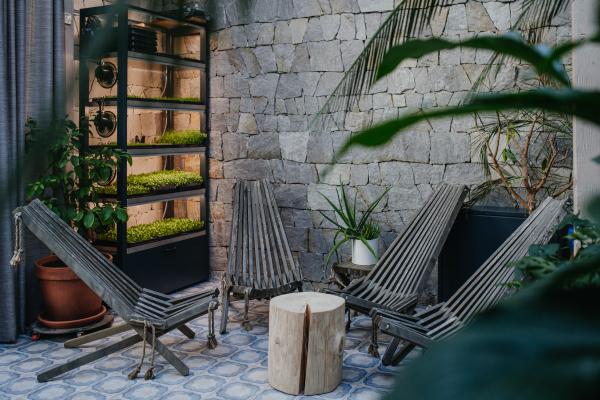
[264, 85]
[284, 56]
[319, 149]
[319, 221]
[248, 169]
[302, 219]
[234, 146]
[316, 241]
[330, 25]
[247, 124]
[277, 167]
[404, 198]
[325, 56]
[465, 173]
[264, 145]
[451, 79]
[328, 82]
[400, 81]
[347, 29]
[283, 34]
[301, 62]
[478, 19]
[297, 238]
[374, 174]
[396, 174]
[350, 49]
[450, 148]
[298, 29]
[314, 32]
[359, 175]
[287, 217]
[221, 234]
[295, 172]
[294, 145]
[311, 265]
[265, 34]
[266, 58]
[369, 194]
[456, 22]
[252, 31]
[292, 196]
[289, 86]
[238, 36]
[340, 6]
[332, 174]
[251, 62]
[235, 86]
[307, 8]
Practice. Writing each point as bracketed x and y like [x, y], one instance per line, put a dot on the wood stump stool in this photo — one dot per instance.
[306, 342]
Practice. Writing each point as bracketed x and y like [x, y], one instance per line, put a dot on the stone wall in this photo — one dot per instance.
[273, 68]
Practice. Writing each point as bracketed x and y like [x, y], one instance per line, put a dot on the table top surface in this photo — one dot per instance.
[297, 302]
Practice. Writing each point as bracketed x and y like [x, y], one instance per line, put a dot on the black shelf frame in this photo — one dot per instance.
[190, 264]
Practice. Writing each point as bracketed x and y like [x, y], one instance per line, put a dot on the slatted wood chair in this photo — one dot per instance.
[150, 314]
[400, 275]
[260, 261]
[478, 294]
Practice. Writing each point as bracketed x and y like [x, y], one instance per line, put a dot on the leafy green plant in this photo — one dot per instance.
[140, 233]
[372, 230]
[68, 185]
[156, 179]
[131, 189]
[352, 227]
[181, 137]
[544, 260]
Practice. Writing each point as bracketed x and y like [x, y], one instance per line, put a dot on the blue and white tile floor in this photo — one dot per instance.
[236, 369]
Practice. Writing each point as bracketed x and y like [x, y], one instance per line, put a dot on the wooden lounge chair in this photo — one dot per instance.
[260, 261]
[476, 295]
[400, 275]
[150, 314]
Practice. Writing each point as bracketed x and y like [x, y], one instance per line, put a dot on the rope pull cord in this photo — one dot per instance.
[374, 347]
[149, 374]
[18, 254]
[246, 323]
[212, 340]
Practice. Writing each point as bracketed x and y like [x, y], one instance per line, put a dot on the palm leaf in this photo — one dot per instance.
[537, 16]
[406, 22]
[578, 103]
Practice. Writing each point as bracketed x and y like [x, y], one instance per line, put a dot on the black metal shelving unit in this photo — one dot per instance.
[181, 260]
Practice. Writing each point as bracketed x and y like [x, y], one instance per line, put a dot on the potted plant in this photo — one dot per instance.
[363, 233]
[69, 186]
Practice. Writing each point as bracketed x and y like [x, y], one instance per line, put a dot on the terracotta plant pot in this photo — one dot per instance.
[67, 298]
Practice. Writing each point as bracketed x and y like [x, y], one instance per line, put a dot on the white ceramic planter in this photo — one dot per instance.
[361, 255]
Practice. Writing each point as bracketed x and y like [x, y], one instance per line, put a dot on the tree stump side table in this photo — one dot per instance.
[306, 342]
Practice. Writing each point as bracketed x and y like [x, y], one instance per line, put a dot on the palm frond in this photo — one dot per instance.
[537, 16]
[407, 21]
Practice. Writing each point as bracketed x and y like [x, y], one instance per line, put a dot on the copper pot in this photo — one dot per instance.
[67, 298]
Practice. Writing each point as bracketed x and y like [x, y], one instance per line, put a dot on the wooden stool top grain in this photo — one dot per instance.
[306, 342]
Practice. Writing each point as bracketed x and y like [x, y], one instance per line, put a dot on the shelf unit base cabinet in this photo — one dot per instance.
[170, 267]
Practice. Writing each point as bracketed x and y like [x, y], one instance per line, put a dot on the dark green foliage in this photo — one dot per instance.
[352, 227]
[69, 183]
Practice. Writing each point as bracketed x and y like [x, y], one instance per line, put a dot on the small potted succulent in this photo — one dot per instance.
[362, 233]
[68, 186]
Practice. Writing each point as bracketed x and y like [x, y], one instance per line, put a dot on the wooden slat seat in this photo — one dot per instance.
[260, 260]
[478, 294]
[135, 305]
[401, 274]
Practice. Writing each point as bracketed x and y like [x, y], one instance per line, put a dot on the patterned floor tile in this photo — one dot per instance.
[272, 394]
[200, 362]
[228, 369]
[32, 365]
[53, 392]
[87, 395]
[145, 391]
[85, 377]
[21, 386]
[181, 395]
[237, 390]
[249, 356]
[365, 393]
[256, 375]
[114, 384]
[204, 383]
[236, 369]
[350, 374]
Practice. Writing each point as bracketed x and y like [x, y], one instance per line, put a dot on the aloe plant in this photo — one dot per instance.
[353, 229]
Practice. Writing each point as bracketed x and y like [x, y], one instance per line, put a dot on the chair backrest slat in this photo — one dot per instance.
[481, 291]
[104, 278]
[260, 256]
[408, 261]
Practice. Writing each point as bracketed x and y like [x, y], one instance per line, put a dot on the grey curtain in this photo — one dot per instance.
[32, 83]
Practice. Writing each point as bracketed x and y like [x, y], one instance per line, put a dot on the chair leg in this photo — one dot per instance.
[187, 331]
[88, 358]
[164, 351]
[224, 311]
[390, 351]
[402, 353]
[97, 335]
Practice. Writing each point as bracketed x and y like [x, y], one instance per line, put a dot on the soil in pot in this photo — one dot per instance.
[67, 298]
